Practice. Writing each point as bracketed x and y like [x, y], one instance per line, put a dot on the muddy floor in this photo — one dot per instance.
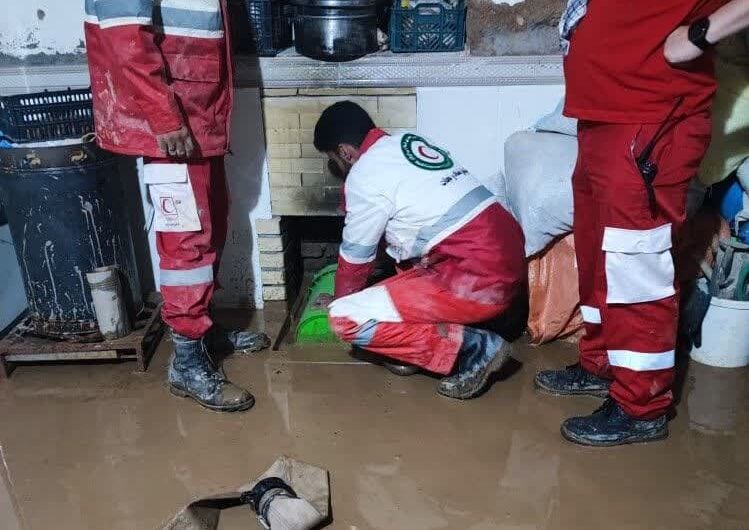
[95, 447]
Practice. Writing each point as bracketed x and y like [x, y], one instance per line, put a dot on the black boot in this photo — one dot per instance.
[401, 369]
[191, 374]
[610, 425]
[227, 341]
[572, 381]
[482, 354]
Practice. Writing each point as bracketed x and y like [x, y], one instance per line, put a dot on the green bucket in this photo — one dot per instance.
[313, 325]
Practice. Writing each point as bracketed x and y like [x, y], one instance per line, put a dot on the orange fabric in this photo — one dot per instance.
[553, 292]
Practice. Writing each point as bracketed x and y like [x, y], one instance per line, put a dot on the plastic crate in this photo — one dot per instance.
[45, 116]
[427, 28]
[270, 26]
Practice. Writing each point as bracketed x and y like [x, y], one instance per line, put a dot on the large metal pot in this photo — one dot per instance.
[335, 30]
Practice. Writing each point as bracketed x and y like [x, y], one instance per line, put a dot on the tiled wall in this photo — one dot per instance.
[299, 179]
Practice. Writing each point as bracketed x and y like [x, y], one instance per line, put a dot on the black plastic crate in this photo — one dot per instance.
[45, 116]
[270, 26]
[429, 27]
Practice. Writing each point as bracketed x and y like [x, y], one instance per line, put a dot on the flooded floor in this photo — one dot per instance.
[97, 447]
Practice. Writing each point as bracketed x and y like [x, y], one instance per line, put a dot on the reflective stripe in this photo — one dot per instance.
[458, 212]
[366, 334]
[591, 315]
[187, 32]
[124, 9]
[356, 253]
[195, 5]
[174, 278]
[373, 303]
[640, 361]
[170, 17]
[124, 21]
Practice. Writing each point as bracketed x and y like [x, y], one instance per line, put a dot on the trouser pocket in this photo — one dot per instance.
[172, 197]
[639, 265]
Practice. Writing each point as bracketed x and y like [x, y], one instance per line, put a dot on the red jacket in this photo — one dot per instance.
[156, 65]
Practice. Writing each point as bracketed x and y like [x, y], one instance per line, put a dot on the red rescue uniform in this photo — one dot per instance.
[460, 254]
[622, 90]
[156, 66]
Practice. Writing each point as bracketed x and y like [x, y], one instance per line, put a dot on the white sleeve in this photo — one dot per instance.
[367, 215]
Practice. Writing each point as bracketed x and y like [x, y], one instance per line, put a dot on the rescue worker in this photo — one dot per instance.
[726, 21]
[459, 254]
[644, 127]
[161, 78]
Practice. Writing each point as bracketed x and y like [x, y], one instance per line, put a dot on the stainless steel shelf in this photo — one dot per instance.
[289, 70]
[387, 69]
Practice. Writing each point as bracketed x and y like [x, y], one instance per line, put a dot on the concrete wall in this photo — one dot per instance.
[41, 32]
[300, 181]
[474, 122]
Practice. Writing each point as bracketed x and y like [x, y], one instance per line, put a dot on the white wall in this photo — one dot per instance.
[474, 122]
[41, 26]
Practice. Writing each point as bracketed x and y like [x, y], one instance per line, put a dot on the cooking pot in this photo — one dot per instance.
[335, 30]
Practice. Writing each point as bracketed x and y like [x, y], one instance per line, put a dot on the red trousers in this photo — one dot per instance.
[189, 260]
[411, 317]
[628, 291]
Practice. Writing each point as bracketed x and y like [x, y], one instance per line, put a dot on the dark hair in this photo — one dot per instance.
[344, 122]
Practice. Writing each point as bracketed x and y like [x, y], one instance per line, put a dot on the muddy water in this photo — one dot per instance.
[97, 447]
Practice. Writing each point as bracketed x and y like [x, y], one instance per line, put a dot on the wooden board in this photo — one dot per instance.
[20, 347]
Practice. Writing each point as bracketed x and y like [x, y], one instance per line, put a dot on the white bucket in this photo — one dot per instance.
[109, 304]
[725, 335]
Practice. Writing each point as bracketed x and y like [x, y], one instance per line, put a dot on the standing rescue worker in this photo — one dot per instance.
[459, 253]
[161, 78]
[644, 127]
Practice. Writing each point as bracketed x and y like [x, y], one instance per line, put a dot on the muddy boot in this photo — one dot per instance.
[610, 425]
[401, 369]
[482, 354]
[192, 375]
[572, 381]
[228, 341]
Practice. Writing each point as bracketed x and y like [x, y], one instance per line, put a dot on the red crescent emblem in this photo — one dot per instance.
[167, 205]
[423, 152]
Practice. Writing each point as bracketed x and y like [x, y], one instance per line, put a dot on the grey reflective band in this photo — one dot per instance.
[454, 215]
[174, 278]
[366, 334]
[109, 9]
[171, 17]
[355, 250]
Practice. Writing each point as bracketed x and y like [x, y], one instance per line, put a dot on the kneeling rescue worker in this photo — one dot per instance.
[644, 127]
[459, 254]
[161, 78]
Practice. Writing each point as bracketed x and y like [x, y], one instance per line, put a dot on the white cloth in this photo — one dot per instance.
[573, 14]
[538, 185]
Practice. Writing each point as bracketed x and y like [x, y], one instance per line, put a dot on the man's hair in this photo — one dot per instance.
[344, 122]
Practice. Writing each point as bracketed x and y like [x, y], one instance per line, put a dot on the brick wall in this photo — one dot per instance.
[299, 179]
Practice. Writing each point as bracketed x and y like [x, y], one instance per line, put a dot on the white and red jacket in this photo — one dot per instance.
[431, 212]
[156, 65]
